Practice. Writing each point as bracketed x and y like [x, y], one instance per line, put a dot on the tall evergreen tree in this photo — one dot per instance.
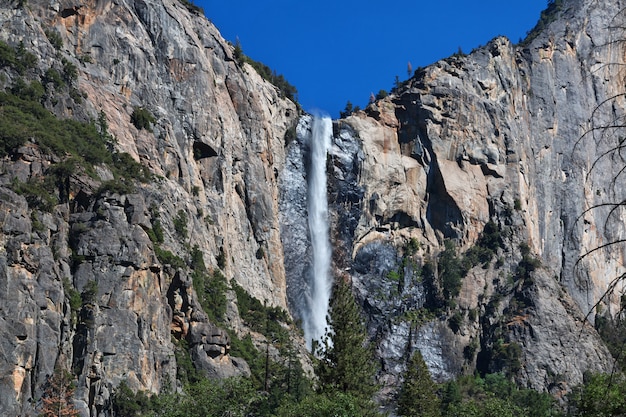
[346, 362]
[417, 396]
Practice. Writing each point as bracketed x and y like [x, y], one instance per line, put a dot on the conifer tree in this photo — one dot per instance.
[417, 396]
[57, 400]
[346, 363]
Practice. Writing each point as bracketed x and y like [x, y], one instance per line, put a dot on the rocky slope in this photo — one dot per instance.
[510, 153]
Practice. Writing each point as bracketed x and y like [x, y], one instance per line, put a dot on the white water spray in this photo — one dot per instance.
[320, 284]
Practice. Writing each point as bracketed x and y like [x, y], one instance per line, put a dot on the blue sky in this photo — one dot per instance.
[343, 50]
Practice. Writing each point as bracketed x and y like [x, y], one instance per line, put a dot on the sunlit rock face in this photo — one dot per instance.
[216, 149]
[516, 135]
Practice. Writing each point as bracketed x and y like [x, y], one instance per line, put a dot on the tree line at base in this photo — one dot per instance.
[345, 386]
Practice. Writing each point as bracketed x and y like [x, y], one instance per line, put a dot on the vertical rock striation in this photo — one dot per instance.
[215, 147]
[524, 138]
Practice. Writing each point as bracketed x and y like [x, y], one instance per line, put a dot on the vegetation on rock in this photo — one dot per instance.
[278, 80]
[141, 118]
[58, 398]
[547, 16]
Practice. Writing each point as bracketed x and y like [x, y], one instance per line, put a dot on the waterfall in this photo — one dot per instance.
[320, 284]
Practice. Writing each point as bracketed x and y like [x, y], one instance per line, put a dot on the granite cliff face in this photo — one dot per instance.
[215, 149]
[519, 143]
[511, 149]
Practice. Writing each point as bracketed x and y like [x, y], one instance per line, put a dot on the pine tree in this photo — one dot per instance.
[346, 363]
[417, 396]
[57, 399]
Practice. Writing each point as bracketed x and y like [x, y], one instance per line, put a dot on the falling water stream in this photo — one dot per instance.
[320, 284]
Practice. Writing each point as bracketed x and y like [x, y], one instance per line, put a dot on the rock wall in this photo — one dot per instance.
[215, 149]
[526, 138]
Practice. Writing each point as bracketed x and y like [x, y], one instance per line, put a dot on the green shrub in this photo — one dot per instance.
[141, 118]
[347, 111]
[34, 91]
[612, 330]
[90, 293]
[239, 56]
[278, 80]
[156, 233]
[36, 224]
[211, 289]
[528, 263]
[434, 297]
[115, 186]
[73, 296]
[55, 38]
[85, 59]
[23, 118]
[470, 350]
[221, 259]
[486, 247]
[455, 321]
[180, 224]
[18, 59]
[192, 7]
[126, 403]
[25, 59]
[450, 271]
[381, 94]
[326, 405]
[52, 76]
[125, 166]
[547, 16]
[197, 260]
[185, 370]
[600, 395]
[70, 72]
[168, 258]
[7, 55]
[259, 317]
[507, 356]
[411, 247]
[76, 95]
[494, 395]
[244, 348]
[37, 193]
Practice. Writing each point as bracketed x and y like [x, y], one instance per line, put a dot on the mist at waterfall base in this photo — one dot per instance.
[320, 281]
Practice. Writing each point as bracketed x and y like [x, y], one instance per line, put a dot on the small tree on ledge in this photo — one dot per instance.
[57, 399]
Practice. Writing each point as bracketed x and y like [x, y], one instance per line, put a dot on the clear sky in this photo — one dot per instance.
[343, 50]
